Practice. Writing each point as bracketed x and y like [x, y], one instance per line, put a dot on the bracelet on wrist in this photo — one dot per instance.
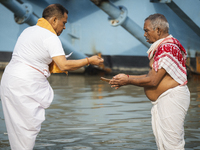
[88, 61]
[127, 75]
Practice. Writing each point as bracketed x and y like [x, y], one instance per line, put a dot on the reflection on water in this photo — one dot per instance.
[87, 114]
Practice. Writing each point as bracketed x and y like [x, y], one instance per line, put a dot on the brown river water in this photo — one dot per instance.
[87, 114]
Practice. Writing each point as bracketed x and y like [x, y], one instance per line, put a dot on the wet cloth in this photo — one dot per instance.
[168, 114]
[168, 53]
[25, 90]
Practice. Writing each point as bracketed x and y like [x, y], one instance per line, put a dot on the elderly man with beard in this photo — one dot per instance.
[165, 83]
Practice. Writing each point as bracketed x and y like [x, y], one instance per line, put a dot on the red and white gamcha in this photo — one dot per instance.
[168, 53]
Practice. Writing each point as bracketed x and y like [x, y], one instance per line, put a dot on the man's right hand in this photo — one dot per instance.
[95, 60]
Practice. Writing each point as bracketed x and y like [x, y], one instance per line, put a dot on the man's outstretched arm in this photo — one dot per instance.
[153, 78]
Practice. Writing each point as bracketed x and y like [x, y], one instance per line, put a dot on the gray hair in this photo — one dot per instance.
[158, 21]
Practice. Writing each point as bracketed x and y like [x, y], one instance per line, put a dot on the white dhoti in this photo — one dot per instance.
[25, 93]
[168, 114]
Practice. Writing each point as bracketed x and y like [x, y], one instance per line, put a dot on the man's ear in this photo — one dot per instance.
[53, 21]
[158, 30]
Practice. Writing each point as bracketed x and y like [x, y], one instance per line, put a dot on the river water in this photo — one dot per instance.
[87, 114]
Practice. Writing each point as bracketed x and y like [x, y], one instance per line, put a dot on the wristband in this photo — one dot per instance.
[128, 75]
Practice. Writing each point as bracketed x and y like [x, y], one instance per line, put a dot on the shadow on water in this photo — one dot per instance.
[87, 114]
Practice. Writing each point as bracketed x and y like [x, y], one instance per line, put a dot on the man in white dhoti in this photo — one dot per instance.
[165, 84]
[25, 90]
